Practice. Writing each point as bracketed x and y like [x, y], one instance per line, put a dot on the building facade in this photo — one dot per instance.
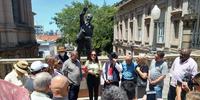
[39, 29]
[17, 38]
[135, 30]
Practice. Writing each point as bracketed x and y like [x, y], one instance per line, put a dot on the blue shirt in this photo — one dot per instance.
[128, 71]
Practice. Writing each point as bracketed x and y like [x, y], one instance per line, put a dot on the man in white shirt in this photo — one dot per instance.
[180, 68]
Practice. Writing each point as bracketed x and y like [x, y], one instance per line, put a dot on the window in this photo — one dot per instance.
[148, 10]
[139, 22]
[126, 29]
[176, 29]
[159, 29]
[131, 16]
[147, 28]
[117, 31]
[121, 31]
[192, 5]
[177, 4]
[131, 27]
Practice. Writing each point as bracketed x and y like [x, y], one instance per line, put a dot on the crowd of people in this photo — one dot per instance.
[59, 78]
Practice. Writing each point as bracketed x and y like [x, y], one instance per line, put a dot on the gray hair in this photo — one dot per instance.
[42, 81]
[114, 93]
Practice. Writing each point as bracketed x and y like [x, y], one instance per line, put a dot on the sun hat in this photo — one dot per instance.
[38, 65]
[61, 49]
[21, 66]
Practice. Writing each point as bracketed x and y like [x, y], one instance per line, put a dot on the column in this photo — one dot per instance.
[135, 28]
[151, 32]
[22, 10]
[2, 11]
[123, 29]
[8, 12]
[129, 30]
[168, 24]
[143, 27]
[115, 31]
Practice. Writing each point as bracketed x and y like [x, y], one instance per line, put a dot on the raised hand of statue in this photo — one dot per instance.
[85, 8]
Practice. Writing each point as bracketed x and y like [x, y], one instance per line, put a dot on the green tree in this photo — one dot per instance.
[103, 22]
[68, 22]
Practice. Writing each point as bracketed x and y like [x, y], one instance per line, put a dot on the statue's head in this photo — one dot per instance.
[89, 17]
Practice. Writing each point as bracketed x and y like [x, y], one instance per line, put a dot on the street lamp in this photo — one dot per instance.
[155, 14]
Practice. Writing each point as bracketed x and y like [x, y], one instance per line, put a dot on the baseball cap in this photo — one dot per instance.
[38, 65]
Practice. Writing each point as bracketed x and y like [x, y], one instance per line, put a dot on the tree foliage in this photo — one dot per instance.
[68, 22]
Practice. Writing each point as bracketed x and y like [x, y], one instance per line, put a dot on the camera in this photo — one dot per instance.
[188, 78]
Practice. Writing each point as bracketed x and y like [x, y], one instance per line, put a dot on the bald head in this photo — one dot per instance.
[128, 59]
[74, 55]
[59, 86]
[184, 54]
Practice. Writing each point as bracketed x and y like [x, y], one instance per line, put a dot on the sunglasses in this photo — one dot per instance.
[93, 54]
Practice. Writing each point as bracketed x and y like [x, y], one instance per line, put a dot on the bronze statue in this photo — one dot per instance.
[85, 34]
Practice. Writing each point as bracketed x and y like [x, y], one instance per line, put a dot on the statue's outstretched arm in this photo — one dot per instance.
[82, 15]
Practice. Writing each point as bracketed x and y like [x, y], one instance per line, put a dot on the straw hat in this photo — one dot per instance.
[61, 49]
[21, 66]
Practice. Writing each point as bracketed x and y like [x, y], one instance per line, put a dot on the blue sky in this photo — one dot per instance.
[45, 10]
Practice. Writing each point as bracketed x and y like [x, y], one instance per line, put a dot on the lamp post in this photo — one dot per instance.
[155, 14]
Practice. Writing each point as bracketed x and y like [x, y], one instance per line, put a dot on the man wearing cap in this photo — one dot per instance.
[62, 54]
[36, 67]
[18, 75]
[111, 70]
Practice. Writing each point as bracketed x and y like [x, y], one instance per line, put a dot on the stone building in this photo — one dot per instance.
[178, 26]
[17, 38]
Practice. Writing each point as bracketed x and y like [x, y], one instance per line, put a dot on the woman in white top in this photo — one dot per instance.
[93, 66]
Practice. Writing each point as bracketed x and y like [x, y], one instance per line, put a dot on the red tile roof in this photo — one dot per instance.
[47, 37]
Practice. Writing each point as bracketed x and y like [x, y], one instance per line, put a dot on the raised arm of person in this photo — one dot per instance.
[104, 71]
[144, 74]
[82, 16]
[118, 65]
